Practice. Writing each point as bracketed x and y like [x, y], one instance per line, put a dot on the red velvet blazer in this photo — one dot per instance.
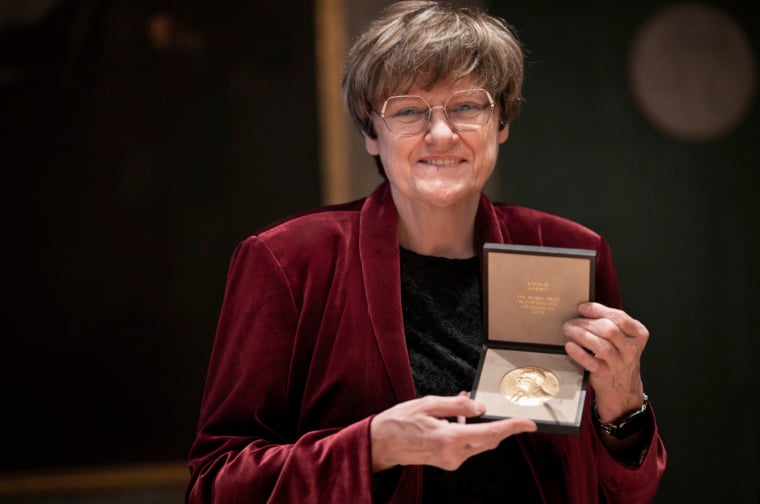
[310, 345]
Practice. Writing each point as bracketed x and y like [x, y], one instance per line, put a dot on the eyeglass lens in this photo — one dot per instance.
[465, 110]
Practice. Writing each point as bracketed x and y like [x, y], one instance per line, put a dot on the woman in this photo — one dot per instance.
[348, 334]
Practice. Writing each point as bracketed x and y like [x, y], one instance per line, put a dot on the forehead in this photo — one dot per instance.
[439, 91]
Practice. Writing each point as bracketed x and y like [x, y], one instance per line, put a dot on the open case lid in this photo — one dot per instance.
[530, 291]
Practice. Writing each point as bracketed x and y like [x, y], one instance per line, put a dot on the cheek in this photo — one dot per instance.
[393, 150]
[489, 154]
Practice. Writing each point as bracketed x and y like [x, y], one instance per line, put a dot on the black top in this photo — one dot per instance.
[441, 300]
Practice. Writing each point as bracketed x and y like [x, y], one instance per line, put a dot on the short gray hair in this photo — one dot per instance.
[424, 43]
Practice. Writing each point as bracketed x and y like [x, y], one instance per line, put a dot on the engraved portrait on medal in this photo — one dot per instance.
[529, 385]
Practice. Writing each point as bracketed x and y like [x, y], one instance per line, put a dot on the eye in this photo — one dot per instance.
[464, 107]
[409, 113]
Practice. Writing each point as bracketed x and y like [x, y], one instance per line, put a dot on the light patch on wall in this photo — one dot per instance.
[692, 71]
[169, 34]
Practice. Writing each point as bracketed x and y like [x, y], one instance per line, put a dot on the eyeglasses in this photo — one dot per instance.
[410, 115]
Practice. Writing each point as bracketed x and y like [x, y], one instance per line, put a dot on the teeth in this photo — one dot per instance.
[441, 162]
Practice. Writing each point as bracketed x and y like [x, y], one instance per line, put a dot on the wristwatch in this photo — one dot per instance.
[625, 426]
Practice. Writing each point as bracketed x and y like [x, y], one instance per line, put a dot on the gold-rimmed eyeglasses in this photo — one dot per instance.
[410, 115]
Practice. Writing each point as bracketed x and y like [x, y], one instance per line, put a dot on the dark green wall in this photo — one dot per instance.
[129, 175]
[682, 220]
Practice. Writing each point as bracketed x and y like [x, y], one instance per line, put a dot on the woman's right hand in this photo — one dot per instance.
[418, 432]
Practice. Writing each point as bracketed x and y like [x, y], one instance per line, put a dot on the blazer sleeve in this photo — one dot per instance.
[248, 447]
[634, 484]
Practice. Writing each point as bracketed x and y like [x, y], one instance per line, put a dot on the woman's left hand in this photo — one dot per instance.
[608, 343]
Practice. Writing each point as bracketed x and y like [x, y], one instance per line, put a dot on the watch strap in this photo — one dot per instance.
[627, 425]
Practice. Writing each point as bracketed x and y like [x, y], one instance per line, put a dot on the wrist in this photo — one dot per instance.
[614, 406]
[378, 446]
[624, 425]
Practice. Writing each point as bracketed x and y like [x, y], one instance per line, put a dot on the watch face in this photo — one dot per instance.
[692, 71]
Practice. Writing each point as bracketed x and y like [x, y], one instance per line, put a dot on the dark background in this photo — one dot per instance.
[131, 171]
[133, 164]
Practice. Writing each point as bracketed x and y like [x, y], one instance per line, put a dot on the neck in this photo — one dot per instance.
[444, 232]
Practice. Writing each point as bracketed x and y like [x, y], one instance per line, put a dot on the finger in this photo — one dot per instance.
[627, 324]
[582, 357]
[604, 339]
[454, 406]
[598, 336]
[461, 419]
[487, 435]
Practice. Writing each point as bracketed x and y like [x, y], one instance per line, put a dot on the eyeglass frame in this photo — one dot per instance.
[429, 120]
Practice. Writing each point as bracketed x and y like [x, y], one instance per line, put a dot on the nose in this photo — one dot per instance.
[439, 124]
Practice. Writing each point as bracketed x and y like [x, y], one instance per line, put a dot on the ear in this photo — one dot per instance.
[371, 145]
[504, 133]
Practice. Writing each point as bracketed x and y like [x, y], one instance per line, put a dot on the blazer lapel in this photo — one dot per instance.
[378, 249]
[488, 227]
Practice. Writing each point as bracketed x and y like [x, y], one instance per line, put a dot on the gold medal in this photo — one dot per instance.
[529, 385]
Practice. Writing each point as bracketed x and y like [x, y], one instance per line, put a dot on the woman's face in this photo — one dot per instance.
[439, 167]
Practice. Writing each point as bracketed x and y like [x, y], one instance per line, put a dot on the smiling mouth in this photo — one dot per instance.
[441, 162]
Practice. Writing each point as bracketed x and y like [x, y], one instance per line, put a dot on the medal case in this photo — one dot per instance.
[524, 371]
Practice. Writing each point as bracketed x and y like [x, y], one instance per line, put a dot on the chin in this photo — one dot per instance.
[447, 196]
